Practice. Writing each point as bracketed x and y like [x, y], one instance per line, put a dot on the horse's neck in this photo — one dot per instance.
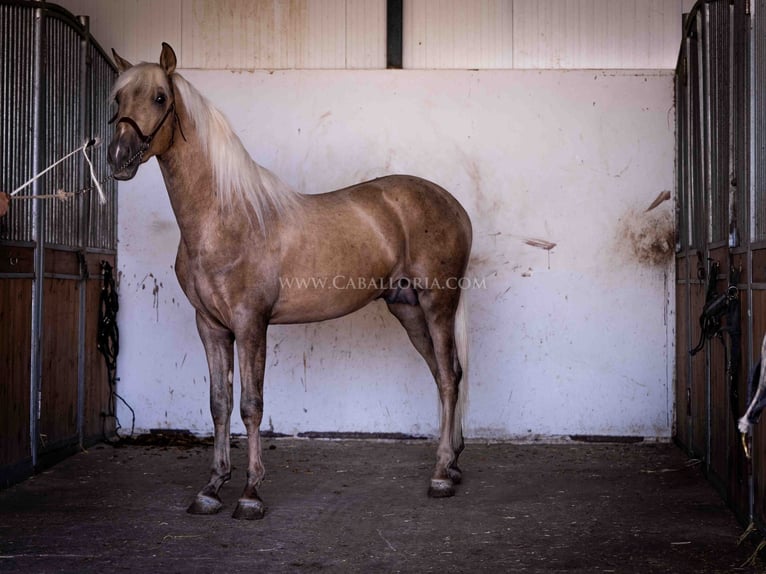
[189, 180]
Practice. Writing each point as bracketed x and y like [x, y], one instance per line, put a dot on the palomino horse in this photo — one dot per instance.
[244, 234]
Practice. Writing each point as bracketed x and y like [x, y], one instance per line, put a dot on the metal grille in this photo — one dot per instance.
[695, 143]
[16, 108]
[714, 127]
[717, 103]
[75, 79]
[63, 129]
[758, 166]
[740, 121]
[682, 201]
[102, 219]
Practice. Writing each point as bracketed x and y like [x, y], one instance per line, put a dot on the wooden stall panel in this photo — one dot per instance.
[720, 410]
[58, 386]
[759, 266]
[738, 488]
[683, 343]
[97, 391]
[759, 431]
[15, 360]
[698, 383]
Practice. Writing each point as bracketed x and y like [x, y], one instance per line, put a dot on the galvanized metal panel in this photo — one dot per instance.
[596, 33]
[239, 34]
[741, 115]
[101, 227]
[63, 131]
[713, 154]
[366, 34]
[454, 34]
[337, 34]
[53, 98]
[694, 98]
[717, 102]
[135, 28]
[682, 155]
[758, 167]
[16, 109]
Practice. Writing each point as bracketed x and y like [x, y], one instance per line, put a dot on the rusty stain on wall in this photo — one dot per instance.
[648, 236]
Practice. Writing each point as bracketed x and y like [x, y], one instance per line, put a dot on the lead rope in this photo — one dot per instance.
[63, 194]
[108, 342]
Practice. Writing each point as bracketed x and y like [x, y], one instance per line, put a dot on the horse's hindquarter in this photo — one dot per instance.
[346, 248]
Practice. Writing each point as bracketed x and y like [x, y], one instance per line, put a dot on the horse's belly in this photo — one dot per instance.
[322, 299]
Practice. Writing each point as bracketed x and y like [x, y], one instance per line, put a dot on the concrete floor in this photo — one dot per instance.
[360, 506]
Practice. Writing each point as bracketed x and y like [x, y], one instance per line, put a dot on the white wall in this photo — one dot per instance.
[577, 339]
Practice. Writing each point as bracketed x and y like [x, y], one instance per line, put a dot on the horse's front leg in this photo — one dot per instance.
[219, 348]
[251, 349]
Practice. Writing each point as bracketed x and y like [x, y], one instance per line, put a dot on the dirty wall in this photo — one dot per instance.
[571, 322]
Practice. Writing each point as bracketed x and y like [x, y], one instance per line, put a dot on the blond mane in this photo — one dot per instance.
[239, 180]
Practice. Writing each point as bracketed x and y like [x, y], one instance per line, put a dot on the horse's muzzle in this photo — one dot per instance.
[124, 157]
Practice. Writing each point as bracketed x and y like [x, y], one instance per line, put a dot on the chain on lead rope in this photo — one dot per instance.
[65, 195]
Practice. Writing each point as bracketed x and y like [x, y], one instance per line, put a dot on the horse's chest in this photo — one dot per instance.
[228, 289]
[208, 286]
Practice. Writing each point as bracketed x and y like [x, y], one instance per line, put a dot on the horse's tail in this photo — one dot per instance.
[461, 346]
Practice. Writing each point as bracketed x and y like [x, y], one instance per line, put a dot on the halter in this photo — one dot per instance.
[146, 140]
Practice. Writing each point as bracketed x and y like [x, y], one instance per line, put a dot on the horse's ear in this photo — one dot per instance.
[122, 63]
[168, 59]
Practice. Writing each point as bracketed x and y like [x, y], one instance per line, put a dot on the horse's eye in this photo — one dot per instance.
[160, 99]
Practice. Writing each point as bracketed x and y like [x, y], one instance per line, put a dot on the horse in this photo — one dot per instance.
[245, 234]
[756, 388]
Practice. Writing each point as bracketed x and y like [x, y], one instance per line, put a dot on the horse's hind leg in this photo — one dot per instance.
[414, 322]
[430, 326]
[219, 349]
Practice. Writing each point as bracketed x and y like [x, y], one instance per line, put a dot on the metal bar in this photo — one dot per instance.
[69, 276]
[706, 119]
[38, 235]
[703, 48]
[82, 239]
[734, 238]
[751, 225]
[691, 224]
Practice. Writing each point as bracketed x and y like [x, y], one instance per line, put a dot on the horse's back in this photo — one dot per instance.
[436, 225]
[422, 212]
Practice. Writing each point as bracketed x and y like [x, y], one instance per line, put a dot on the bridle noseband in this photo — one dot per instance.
[146, 140]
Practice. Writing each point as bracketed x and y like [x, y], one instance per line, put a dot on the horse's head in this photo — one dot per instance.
[145, 117]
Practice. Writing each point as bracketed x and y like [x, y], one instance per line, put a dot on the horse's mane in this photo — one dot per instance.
[238, 178]
[239, 181]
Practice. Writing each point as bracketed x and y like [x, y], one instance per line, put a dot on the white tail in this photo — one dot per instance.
[461, 345]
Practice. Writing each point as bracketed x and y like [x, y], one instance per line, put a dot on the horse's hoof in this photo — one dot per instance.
[249, 509]
[205, 504]
[455, 474]
[441, 488]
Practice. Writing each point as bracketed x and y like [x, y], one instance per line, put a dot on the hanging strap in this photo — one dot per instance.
[715, 307]
[108, 342]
